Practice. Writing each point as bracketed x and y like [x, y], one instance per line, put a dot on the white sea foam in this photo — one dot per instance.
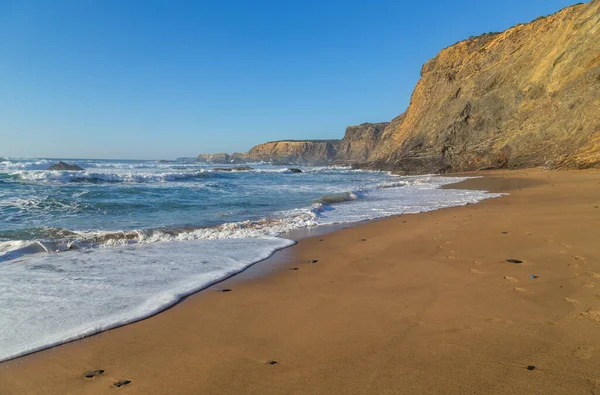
[107, 177]
[54, 298]
[420, 194]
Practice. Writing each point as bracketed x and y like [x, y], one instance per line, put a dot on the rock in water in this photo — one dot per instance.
[295, 170]
[63, 166]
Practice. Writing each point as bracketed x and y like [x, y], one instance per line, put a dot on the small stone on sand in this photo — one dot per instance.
[530, 367]
[226, 290]
[93, 373]
[514, 261]
[272, 362]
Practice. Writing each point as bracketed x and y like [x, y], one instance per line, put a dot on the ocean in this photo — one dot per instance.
[86, 251]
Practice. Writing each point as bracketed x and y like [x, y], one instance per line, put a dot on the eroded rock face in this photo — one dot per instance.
[314, 152]
[357, 146]
[359, 143]
[525, 97]
[64, 166]
[214, 158]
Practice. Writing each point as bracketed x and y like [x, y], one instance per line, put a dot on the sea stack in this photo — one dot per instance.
[63, 166]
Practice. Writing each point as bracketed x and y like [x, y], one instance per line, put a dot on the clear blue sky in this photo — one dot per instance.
[162, 79]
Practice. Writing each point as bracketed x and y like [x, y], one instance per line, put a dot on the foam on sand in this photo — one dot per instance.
[51, 299]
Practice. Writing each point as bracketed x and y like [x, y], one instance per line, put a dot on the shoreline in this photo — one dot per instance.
[263, 284]
[255, 270]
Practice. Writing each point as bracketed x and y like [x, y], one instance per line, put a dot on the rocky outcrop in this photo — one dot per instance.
[64, 166]
[359, 143]
[220, 158]
[313, 152]
[356, 147]
[524, 97]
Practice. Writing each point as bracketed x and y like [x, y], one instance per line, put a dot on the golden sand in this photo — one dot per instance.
[415, 304]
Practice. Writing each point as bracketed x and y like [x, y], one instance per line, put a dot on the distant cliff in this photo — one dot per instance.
[356, 147]
[527, 96]
[315, 152]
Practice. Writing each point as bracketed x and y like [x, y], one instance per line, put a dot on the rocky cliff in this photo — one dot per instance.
[359, 143]
[524, 97]
[527, 96]
[314, 152]
[356, 147]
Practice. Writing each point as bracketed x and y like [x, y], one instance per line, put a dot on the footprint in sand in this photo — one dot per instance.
[584, 352]
[477, 263]
[522, 290]
[511, 279]
[572, 301]
[573, 265]
[588, 285]
[579, 258]
[475, 271]
[93, 373]
[121, 383]
[593, 275]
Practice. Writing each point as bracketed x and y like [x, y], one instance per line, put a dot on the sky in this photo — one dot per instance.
[165, 79]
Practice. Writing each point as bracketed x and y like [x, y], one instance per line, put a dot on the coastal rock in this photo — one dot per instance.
[294, 170]
[358, 143]
[301, 152]
[220, 158]
[63, 166]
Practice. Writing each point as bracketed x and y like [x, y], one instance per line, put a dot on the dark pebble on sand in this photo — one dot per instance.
[272, 362]
[320, 239]
[514, 261]
[93, 373]
[504, 233]
[530, 367]
[121, 383]
[363, 239]
[294, 268]
[314, 261]
[226, 290]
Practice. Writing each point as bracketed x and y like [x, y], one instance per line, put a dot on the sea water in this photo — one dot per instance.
[86, 251]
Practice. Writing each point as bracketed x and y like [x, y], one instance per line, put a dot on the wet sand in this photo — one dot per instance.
[415, 304]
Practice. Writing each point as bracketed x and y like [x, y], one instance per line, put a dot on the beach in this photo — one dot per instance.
[417, 303]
